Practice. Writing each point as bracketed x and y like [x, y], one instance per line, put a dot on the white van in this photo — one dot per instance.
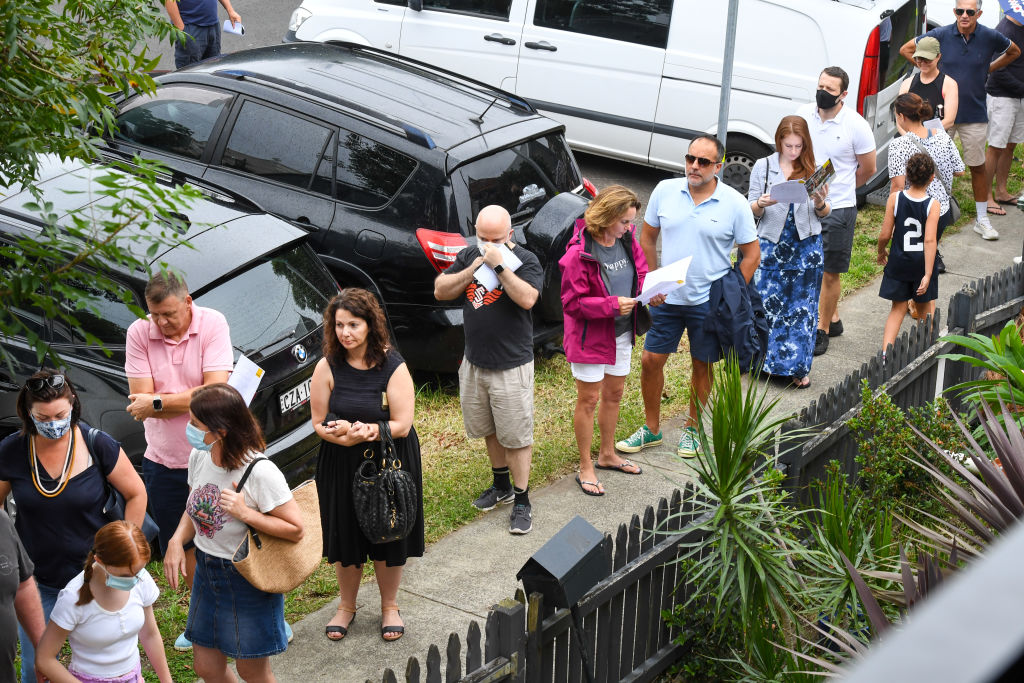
[637, 79]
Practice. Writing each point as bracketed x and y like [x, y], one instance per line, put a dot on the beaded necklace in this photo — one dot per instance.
[62, 481]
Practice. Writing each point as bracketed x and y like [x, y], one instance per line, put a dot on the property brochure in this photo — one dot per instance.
[664, 279]
[822, 176]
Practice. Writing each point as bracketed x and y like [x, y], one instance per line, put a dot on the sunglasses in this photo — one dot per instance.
[704, 163]
[38, 383]
[960, 11]
[922, 60]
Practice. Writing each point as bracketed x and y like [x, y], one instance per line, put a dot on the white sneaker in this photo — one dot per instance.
[983, 227]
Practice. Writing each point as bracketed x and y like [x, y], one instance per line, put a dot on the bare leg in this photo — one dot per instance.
[587, 395]
[828, 302]
[519, 465]
[979, 182]
[924, 310]
[348, 590]
[893, 322]
[496, 452]
[388, 580]
[652, 383]
[1003, 173]
[993, 159]
[211, 665]
[700, 388]
[607, 418]
[255, 670]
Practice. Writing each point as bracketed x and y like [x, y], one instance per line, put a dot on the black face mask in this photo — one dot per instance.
[825, 99]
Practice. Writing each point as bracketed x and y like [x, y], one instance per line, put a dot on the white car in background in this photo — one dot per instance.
[636, 80]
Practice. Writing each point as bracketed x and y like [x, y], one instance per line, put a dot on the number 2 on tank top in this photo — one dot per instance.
[914, 232]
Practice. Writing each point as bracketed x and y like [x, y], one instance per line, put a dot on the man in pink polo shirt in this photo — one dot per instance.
[179, 348]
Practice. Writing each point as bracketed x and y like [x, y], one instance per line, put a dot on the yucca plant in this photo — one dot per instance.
[747, 558]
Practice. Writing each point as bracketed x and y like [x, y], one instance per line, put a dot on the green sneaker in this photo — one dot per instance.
[689, 443]
[639, 440]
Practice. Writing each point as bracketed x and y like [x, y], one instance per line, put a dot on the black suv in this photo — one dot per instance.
[255, 269]
[388, 160]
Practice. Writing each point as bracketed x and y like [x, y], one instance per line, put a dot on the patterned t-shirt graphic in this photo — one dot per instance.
[204, 509]
[479, 295]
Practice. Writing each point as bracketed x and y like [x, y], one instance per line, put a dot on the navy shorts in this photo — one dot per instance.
[900, 290]
[168, 492]
[668, 321]
[201, 42]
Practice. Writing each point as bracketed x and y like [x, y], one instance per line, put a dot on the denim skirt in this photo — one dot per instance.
[227, 613]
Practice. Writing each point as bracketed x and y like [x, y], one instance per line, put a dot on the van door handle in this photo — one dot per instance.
[542, 45]
[498, 38]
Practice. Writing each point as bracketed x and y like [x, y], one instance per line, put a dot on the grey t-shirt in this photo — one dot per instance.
[617, 272]
[15, 567]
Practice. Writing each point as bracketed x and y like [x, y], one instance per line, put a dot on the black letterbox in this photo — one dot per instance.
[568, 565]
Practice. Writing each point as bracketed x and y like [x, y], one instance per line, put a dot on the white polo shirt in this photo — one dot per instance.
[840, 139]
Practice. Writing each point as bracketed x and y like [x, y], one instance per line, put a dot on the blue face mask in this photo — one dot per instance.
[52, 430]
[121, 583]
[196, 437]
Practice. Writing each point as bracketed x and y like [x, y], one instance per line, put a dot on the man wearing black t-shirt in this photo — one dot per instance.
[19, 598]
[1005, 100]
[496, 375]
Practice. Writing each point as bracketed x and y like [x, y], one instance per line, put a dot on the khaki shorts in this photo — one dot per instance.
[498, 402]
[1005, 121]
[972, 139]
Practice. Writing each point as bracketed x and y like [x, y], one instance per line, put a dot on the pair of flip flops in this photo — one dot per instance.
[621, 467]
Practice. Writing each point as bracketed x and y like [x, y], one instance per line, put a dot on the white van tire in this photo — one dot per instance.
[740, 156]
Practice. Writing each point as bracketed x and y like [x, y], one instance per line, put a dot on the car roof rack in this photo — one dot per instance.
[411, 132]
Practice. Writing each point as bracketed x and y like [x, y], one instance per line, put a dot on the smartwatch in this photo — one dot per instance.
[158, 404]
[499, 269]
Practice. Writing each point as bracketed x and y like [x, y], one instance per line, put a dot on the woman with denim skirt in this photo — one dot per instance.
[228, 616]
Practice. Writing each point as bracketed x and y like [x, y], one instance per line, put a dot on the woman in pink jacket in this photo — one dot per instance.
[602, 270]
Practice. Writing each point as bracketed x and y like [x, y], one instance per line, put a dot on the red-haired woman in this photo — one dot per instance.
[789, 277]
[104, 612]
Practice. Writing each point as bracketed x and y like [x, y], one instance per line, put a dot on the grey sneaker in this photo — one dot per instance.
[639, 440]
[521, 521]
[689, 443]
[983, 227]
[492, 498]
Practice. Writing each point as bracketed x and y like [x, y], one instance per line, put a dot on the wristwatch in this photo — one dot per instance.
[158, 404]
[498, 269]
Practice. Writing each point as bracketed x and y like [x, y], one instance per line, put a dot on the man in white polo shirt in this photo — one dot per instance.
[841, 134]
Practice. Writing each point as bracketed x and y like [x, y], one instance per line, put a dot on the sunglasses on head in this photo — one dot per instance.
[704, 162]
[38, 383]
[960, 11]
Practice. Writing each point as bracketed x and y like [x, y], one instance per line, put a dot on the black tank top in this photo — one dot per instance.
[930, 93]
[906, 255]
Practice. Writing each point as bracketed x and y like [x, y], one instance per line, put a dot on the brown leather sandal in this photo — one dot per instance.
[340, 631]
[385, 630]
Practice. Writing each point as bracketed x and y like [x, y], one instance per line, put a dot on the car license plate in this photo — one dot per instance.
[295, 397]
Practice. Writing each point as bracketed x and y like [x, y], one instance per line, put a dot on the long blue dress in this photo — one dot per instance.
[789, 280]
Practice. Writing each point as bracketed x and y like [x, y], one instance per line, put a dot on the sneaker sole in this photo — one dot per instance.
[500, 502]
[626, 448]
[183, 649]
[686, 454]
[520, 532]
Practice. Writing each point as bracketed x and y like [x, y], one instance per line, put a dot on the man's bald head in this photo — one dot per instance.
[493, 224]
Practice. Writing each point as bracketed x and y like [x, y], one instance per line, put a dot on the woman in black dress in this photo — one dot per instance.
[361, 380]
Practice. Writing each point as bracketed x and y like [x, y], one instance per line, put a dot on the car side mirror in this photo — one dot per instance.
[416, 5]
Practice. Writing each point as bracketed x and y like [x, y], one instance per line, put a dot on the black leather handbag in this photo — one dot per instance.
[385, 496]
[113, 503]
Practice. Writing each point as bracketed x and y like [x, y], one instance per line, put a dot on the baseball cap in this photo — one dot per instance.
[927, 48]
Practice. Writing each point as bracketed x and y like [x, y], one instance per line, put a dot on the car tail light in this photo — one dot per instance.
[869, 76]
[440, 247]
[590, 188]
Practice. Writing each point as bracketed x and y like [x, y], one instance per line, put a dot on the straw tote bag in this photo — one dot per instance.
[276, 565]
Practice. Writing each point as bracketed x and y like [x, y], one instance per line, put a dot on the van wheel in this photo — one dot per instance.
[739, 160]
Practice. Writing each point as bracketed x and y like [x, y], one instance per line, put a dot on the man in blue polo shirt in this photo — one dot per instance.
[969, 53]
[198, 19]
[702, 217]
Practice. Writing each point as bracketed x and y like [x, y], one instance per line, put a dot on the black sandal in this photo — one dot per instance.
[385, 630]
[340, 631]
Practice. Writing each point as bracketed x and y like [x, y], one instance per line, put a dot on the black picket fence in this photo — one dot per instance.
[621, 617]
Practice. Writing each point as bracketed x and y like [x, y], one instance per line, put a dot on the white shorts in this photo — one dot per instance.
[1005, 121]
[595, 372]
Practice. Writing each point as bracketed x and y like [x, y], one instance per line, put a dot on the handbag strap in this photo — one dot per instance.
[238, 489]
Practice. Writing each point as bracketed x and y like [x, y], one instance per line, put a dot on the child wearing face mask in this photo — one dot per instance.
[104, 612]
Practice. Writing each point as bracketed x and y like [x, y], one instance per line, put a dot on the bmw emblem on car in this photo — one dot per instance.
[299, 353]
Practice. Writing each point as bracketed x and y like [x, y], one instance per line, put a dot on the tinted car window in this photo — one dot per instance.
[276, 145]
[369, 173]
[521, 178]
[109, 322]
[274, 302]
[178, 119]
[644, 22]
[498, 9]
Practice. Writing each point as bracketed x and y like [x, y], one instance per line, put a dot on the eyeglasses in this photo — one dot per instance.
[38, 383]
[704, 163]
[922, 60]
[960, 11]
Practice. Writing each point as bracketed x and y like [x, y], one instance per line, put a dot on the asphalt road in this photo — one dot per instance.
[266, 22]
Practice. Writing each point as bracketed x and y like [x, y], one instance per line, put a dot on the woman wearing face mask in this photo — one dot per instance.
[104, 612]
[49, 468]
[792, 260]
[228, 616]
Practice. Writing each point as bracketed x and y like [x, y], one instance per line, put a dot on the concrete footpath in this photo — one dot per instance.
[462, 575]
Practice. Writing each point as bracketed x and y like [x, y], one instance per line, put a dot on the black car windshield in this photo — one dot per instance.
[522, 178]
[274, 303]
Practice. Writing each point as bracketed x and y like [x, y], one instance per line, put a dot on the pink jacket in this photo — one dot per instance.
[588, 308]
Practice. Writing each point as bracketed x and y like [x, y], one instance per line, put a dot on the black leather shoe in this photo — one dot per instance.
[940, 266]
[835, 329]
[820, 343]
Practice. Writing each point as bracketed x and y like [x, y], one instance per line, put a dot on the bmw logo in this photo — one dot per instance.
[299, 353]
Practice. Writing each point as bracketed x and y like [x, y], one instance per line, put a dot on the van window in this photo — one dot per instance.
[644, 22]
[177, 119]
[496, 9]
[276, 145]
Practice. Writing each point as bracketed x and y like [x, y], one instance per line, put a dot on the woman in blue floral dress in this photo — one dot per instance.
[789, 278]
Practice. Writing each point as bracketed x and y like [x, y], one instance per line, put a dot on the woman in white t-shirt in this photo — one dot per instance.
[228, 616]
[104, 612]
